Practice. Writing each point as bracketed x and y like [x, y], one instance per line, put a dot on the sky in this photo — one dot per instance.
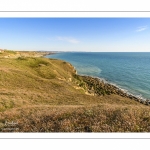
[76, 34]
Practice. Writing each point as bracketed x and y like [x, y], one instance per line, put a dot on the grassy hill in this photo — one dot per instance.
[44, 95]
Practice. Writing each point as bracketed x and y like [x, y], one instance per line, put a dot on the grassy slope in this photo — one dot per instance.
[42, 96]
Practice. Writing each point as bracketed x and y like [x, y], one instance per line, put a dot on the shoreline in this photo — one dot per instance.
[109, 88]
[112, 88]
[120, 91]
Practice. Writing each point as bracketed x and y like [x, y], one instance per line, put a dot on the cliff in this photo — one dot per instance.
[46, 95]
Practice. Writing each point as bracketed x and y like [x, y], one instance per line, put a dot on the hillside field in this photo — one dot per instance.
[45, 95]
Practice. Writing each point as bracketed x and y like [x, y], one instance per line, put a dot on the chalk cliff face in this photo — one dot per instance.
[46, 95]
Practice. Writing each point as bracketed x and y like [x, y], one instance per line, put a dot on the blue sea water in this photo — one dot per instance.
[127, 70]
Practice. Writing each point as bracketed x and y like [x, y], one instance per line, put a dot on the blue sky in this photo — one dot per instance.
[75, 34]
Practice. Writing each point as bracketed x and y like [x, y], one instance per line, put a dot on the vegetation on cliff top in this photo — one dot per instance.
[45, 95]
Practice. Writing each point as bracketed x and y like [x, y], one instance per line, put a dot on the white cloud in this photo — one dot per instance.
[139, 29]
[68, 39]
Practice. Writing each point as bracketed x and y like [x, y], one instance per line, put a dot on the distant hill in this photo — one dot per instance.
[16, 54]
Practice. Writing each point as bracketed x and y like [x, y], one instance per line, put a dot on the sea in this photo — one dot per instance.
[129, 71]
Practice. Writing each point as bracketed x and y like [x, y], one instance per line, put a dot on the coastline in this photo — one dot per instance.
[45, 94]
[108, 88]
[111, 88]
[125, 72]
[17, 54]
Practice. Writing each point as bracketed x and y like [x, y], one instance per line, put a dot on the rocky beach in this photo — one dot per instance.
[97, 86]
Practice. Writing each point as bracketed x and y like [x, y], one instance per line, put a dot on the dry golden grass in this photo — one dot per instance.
[42, 95]
[100, 118]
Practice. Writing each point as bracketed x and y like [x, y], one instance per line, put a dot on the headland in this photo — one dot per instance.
[46, 95]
